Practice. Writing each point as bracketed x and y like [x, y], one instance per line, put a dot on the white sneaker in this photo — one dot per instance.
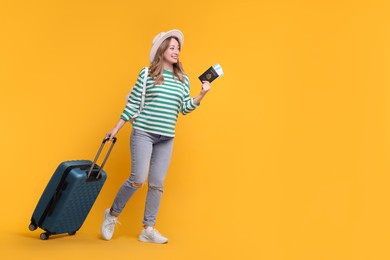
[150, 234]
[108, 226]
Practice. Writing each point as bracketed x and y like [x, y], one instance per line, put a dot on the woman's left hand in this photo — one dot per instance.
[206, 86]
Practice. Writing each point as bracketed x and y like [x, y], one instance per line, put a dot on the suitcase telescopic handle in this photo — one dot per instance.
[105, 158]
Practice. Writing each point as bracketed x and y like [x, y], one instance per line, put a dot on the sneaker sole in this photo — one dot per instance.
[104, 238]
[146, 240]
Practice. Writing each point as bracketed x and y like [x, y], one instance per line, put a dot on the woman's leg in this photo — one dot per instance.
[141, 146]
[159, 163]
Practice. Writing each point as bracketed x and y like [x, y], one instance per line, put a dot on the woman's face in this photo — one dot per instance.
[171, 55]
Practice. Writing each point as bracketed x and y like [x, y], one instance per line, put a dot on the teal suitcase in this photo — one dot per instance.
[69, 196]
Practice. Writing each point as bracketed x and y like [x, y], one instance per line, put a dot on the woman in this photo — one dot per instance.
[151, 140]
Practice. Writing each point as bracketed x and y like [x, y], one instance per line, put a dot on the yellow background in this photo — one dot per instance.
[287, 157]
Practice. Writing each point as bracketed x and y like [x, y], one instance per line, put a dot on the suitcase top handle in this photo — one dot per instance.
[105, 158]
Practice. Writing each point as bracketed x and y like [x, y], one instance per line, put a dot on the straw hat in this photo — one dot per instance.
[161, 37]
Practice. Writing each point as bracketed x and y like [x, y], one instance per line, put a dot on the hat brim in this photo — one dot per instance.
[172, 33]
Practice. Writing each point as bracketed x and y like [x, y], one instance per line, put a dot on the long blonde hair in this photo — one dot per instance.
[157, 66]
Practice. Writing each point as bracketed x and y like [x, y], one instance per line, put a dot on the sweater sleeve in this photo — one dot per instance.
[188, 104]
[134, 98]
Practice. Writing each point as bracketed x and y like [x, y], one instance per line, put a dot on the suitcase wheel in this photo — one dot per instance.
[44, 236]
[32, 227]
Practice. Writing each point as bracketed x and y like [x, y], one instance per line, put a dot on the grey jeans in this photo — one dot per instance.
[151, 155]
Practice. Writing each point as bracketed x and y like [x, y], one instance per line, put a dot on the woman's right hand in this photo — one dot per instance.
[111, 134]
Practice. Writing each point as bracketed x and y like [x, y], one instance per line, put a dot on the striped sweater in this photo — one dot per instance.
[162, 104]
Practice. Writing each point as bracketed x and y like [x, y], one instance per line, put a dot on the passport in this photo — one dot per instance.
[211, 73]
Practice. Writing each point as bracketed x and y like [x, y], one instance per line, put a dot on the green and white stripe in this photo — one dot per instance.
[162, 104]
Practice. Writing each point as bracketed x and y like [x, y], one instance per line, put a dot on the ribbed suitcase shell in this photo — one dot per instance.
[68, 198]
